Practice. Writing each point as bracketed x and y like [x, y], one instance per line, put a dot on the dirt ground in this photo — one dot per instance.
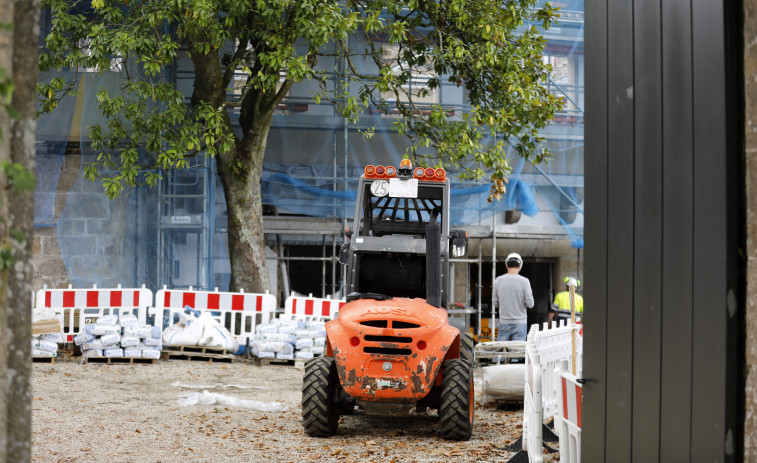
[131, 413]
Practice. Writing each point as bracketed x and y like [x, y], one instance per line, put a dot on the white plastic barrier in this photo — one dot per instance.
[79, 306]
[238, 312]
[568, 419]
[545, 350]
[313, 308]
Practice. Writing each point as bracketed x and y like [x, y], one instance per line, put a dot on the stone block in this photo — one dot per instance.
[103, 227]
[51, 268]
[50, 246]
[87, 205]
[70, 227]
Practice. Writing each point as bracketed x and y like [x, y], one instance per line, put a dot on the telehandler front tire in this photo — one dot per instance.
[456, 410]
[320, 389]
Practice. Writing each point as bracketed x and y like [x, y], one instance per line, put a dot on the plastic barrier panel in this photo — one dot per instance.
[568, 419]
[551, 345]
[238, 312]
[80, 306]
[532, 404]
[545, 350]
[313, 308]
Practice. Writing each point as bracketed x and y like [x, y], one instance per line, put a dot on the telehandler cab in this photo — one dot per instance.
[391, 348]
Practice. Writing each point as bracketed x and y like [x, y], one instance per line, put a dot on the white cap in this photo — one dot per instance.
[570, 281]
[514, 255]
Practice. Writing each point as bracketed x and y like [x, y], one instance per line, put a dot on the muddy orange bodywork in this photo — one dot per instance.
[390, 351]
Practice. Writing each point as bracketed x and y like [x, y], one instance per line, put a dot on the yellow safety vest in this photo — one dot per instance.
[562, 301]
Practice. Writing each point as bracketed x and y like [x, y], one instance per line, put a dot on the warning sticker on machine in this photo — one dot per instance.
[403, 188]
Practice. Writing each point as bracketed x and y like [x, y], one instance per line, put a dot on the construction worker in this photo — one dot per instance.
[562, 299]
[512, 294]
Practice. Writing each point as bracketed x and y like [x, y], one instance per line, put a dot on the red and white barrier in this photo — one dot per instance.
[312, 308]
[80, 306]
[238, 312]
[568, 419]
[545, 350]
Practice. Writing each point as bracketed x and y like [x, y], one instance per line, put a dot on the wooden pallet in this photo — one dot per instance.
[50, 360]
[297, 363]
[202, 354]
[117, 360]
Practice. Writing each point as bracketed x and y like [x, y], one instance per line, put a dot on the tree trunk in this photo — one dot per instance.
[6, 64]
[21, 218]
[241, 174]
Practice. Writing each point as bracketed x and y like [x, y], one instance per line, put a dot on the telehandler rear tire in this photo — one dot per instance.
[456, 410]
[320, 391]
[466, 347]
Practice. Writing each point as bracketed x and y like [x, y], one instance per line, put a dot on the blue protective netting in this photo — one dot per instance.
[175, 234]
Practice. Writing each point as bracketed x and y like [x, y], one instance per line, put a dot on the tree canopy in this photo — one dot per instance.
[491, 47]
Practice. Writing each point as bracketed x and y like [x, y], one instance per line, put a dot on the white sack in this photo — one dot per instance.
[138, 331]
[92, 353]
[102, 330]
[43, 353]
[132, 352]
[110, 339]
[81, 338]
[113, 353]
[107, 320]
[128, 320]
[45, 345]
[129, 341]
[96, 344]
[44, 313]
[151, 354]
[504, 382]
[303, 343]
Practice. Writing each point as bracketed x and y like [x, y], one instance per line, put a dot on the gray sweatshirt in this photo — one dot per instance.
[512, 294]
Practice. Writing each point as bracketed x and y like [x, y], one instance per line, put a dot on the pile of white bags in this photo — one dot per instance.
[202, 331]
[115, 337]
[45, 345]
[289, 339]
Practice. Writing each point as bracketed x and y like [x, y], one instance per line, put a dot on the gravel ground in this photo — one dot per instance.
[130, 413]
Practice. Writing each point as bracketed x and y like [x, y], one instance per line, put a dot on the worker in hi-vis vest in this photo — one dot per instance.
[562, 299]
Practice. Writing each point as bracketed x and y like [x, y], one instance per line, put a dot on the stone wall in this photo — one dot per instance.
[49, 268]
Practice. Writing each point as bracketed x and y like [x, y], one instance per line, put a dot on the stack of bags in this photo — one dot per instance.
[289, 339]
[45, 345]
[116, 336]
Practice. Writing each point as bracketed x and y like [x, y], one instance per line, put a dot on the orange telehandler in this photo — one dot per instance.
[391, 348]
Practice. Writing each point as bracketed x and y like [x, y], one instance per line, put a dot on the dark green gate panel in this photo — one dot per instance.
[662, 221]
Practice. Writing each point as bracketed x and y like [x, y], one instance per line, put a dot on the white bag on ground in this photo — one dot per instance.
[129, 341]
[111, 353]
[128, 320]
[283, 356]
[302, 355]
[132, 352]
[303, 343]
[44, 313]
[151, 354]
[43, 353]
[45, 345]
[110, 339]
[92, 353]
[212, 398]
[107, 320]
[81, 338]
[102, 330]
[203, 331]
[504, 382]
